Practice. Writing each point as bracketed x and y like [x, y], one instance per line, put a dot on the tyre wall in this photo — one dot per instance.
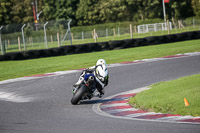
[100, 46]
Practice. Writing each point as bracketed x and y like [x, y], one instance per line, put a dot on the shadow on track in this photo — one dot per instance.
[101, 101]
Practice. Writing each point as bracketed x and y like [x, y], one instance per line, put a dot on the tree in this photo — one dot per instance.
[49, 9]
[59, 9]
[89, 12]
[94, 12]
[113, 10]
[86, 13]
[178, 9]
[196, 7]
[146, 9]
[21, 11]
[5, 14]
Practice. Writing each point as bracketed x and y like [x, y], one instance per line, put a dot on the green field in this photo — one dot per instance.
[168, 97]
[14, 69]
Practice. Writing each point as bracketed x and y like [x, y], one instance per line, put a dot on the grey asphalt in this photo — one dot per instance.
[50, 110]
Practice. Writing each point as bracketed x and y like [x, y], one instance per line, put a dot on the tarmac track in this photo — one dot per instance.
[42, 105]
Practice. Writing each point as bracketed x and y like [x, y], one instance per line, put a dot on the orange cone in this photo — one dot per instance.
[186, 102]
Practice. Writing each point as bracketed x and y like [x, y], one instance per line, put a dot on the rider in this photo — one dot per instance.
[100, 72]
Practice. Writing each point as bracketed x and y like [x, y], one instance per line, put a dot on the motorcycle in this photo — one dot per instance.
[85, 90]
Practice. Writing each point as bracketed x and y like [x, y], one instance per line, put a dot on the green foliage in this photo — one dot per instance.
[60, 9]
[196, 7]
[21, 11]
[5, 15]
[91, 12]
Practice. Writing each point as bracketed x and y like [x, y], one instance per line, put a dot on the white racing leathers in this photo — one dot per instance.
[99, 86]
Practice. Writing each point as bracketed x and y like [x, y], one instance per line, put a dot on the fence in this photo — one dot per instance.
[52, 34]
[154, 27]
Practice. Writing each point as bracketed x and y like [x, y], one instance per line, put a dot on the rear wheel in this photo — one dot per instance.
[78, 95]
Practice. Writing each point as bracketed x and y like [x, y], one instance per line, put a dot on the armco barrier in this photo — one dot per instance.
[94, 47]
[83, 48]
[129, 43]
[100, 46]
[104, 45]
[69, 49]
[115, 44]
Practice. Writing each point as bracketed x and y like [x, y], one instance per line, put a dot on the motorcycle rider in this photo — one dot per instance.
[100, 73]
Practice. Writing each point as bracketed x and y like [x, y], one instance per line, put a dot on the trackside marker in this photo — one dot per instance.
[186, 102]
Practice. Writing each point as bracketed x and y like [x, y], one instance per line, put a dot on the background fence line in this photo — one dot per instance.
[11, 39]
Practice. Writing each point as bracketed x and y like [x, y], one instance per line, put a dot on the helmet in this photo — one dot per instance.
[101, 71]
[101, 62]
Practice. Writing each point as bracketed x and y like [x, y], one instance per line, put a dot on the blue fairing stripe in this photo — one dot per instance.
[86, 76]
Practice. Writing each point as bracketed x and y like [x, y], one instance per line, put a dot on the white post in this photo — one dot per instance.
[155, 27]
[106, 32]
[2, 48]
[58, 38]
[82, 35]
[147, 26]
[131, 31]
[68, 31]
[45, 35]
[23, 36]
[114, 32]
[70, 37]
[19, 45]
[118, 31]
[94, 35]
[164, 13]
[193, 23]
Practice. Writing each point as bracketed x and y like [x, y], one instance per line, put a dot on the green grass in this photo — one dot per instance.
[168, 97]
[14, 69]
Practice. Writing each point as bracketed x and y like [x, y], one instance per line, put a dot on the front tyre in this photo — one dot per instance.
[78, 94]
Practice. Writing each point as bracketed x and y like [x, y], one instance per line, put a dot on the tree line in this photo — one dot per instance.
[90, 12]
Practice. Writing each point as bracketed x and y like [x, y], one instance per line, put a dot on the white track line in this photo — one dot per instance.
[140, 114]
[113, 105]
[120, 110]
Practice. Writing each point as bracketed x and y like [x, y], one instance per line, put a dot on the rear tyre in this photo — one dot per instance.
[78, 95]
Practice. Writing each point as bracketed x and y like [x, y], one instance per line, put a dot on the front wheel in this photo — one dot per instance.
[78, 94]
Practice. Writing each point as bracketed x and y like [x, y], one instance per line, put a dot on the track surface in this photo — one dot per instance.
[43, 105]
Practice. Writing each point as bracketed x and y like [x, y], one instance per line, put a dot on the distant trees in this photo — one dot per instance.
[5, 14]
[196, 7]
[89, 12]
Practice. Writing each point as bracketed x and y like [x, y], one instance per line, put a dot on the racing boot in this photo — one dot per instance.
[97, 94]
[76, 85]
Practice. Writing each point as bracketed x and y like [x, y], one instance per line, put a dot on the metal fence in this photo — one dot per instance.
[22, 37]
[145, 28]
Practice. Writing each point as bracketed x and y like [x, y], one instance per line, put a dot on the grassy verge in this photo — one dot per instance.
[14, 69]
[168, 97]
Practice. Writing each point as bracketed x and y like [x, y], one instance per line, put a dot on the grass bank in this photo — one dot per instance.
[168, 97]
[14, 69]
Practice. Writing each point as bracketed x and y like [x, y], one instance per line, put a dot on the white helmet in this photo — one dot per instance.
[101, 71]
[101, 62]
